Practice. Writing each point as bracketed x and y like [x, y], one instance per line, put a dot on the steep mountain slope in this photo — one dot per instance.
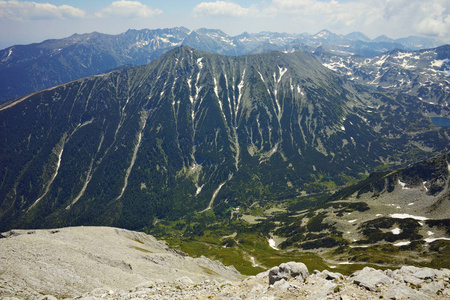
[424, 73]
[29, 68]
[193, 131]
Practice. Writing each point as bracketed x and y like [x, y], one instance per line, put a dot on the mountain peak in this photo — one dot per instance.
[383, 38]
[327, 35]
[357, 36]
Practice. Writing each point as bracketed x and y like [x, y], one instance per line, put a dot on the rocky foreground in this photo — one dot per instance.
[109, 263]
[292, 281]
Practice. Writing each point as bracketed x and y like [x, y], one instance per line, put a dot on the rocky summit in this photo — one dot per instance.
[68, 262]
[110, 263]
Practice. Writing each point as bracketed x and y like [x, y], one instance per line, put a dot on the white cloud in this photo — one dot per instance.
[330, 12]
[128, 9]
[27, 10]
[424, 17]
[390, 17]
[224, 8]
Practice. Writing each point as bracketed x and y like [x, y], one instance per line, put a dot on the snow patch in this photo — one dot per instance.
[240, 86]
[437, 63]
[199, 62]
[58, 151]
[272, 244]
[353, 221]
[401, 55]
[404, 187]
[254, 264]
[382, 60]
[282, 72]
[262, 78]
[430, 240]
[407, 216]
[362, 246]
[216, 91]
[199, 189]
[396, 231]
[399, 244]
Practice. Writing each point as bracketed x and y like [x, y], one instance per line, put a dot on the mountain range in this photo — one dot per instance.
[194, 132]
[30, 68]
[423, 73]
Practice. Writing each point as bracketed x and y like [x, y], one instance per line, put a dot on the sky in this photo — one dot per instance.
[24, 22]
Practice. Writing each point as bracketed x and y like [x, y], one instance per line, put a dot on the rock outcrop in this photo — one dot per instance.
[72, 261]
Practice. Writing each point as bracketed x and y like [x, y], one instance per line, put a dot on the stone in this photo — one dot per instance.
[389, 273]
[47, 297]
[257, 289]
[412, 280]
[184, 280]
[281, 285]
[370, 278]
[446, 292]
[147, 284]
[263, 274]
[403, 292]
[445, 272]
[425, 273]
[408, 269]
[432, 288]
[330, 275]
[320, 288]
[287, 271]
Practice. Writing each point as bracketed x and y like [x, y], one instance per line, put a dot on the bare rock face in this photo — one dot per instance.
[71, 261]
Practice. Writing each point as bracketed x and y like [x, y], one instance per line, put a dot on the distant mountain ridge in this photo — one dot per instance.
[422, 73]
[29, 68]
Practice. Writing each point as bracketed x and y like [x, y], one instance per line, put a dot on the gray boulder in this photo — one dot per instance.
[433, 287]
[370, 278]
[331, 275]
[319, 288]
[403, 292]
[412, 279]
[425, 273]
[288, 270]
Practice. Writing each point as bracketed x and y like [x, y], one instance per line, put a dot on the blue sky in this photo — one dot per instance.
[23, 22]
